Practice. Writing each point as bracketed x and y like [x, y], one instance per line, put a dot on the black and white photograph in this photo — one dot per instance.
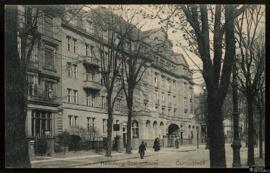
[135, 86]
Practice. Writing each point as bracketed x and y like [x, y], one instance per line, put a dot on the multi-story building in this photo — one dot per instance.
[163, 106]
[43, 71]
[66, 92]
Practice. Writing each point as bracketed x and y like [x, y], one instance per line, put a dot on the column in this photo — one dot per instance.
[28, 123]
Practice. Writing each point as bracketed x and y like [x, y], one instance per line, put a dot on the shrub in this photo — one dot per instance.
[41, 145]
[74, 142]
[64, 138]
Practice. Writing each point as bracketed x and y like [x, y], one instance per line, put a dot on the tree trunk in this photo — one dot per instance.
[251, 160]
[216, 134]
[109, 127]
[130, 104]
[260, 132]
[16, 145]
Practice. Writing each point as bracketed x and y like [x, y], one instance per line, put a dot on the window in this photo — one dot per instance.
[163, 98]
[48, 89]
[86, 49]
[156, 80]
[163, 81]
[75, 70]
[69, 69]
[185, 105]
[135, 129]
[103, 101]
[70, 120]
[174, 84]
[91, 51]
[191, 106]
[174, 100]
[157, 99]
[75, 96]
[74, 45]
[68, 95]
[75, 120]
[169, 100]
[68, 42]
[93, 122]
[41, 122]
[88, 123]
[49, 58]
[32, 82]
[90, 99]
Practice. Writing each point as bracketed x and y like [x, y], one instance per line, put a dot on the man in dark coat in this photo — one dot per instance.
[156, 145]
[142, 149]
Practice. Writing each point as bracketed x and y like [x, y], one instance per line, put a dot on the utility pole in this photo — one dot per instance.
[197, 128]
[236, 145]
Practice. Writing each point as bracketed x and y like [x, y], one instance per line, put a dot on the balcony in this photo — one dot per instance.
[169, 105]
[92, 85]
[50, 72]
[89, 61]
[35, 94]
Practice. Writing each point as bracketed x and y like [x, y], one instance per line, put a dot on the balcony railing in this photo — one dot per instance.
[92, 85]
[88, 60]
[37, 94]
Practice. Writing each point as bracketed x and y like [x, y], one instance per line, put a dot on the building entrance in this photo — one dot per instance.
[173, 134]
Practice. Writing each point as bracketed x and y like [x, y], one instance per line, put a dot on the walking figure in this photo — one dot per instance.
[142, 149]
[156, 145]
[177, 143]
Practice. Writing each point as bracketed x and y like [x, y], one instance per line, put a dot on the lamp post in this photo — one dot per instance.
[236, 145]
[197, 137]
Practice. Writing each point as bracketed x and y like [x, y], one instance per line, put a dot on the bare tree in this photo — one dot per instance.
[112, 54]
[16, 150]
[133, 69]
[251, 63]
[199, 23]
[260, 102]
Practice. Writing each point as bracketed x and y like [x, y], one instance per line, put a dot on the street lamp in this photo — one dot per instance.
[197, 137]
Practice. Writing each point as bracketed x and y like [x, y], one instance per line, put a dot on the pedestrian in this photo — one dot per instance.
[177, 143]
[142, 149]
[156, 145]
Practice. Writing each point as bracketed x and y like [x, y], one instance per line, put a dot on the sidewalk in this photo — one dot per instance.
[89, 157]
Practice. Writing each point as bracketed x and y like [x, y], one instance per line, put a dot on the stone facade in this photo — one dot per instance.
[163, 106]
[75, 97]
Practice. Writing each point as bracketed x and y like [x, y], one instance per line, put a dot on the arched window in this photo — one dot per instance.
[135, 129]
[161, 127]
[148, 130]
[155, 128]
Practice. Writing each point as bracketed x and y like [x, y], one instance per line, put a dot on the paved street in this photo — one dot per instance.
[185, 157]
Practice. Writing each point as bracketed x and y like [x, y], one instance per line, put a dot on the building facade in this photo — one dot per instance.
[163, 104]
[66, 92]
